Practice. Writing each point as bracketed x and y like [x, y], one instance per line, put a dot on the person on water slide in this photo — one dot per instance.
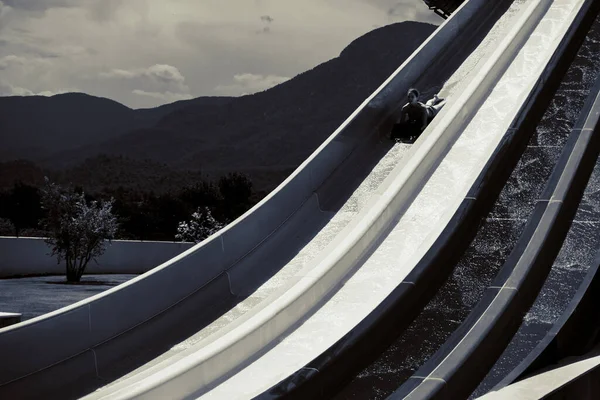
[415, 116]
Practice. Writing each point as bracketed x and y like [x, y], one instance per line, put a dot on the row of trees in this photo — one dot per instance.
[77, 226]
[141, 215]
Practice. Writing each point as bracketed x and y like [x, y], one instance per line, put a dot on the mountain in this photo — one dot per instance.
[35, 127]
[97, 174]
[265, 135]
[22, 171]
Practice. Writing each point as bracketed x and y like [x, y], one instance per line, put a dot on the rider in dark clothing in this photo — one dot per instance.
[415, 116]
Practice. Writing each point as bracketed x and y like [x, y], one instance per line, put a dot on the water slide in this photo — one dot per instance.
[238, 269]
[561, 321]
[319, 253]
[576, 378]
[468, 277]
[348, 305]
[467, 355]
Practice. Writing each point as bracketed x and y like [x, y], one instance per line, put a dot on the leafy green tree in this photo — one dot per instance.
[78, 230]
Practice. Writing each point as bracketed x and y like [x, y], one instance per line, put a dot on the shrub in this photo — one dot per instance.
[201, 226]
[77, 230]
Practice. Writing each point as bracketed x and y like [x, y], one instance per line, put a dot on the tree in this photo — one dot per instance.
[200, 194]
[166, 212]
[6, 227]
[77, 230]
[22, 205]
[236, 191]
[201, 226]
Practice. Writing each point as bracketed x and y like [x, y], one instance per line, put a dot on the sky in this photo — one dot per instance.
[144, 53]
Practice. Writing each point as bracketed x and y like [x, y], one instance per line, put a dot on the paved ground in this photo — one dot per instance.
[36, 296]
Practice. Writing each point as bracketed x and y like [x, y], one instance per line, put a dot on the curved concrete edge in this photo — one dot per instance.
[459, 365]
[204, 266]
[231, 243]
[574, 331]
[574, 378]
[189, 375]
[30, 256]
[319, 378]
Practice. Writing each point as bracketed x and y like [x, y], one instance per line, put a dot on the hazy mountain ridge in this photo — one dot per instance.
[100, 173]
[36, 127]
[275, 129]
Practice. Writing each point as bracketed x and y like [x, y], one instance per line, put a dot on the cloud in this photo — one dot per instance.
[249, 83]
[7, 89]
[167, 97]
[49, 93]
[9, 60]
[120, 73]
[37, 8]
[110, 48]
[159, 72]
[97, 10]
[165, 73]
[160, 81]
[60, 51]
[104, 10]
[408, 10]
[4, 11]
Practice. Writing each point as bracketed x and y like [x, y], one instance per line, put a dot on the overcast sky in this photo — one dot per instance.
[144, 53]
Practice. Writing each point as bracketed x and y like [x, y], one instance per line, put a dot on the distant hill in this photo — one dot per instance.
[265, 134]
[99, 173]
[23, 171]
[37, 127]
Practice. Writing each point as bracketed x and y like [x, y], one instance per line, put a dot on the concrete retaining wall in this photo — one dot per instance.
[31, 256]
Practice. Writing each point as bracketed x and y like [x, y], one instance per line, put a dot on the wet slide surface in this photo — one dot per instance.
[302, 238]
[581, 244]
[383, 268]
[292, 249]
[495, 239]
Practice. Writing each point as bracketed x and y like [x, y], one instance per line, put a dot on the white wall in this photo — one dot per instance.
[31, 256]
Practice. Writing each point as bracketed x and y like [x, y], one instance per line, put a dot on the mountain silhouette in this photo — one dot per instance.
[35, 127]
[265, 135]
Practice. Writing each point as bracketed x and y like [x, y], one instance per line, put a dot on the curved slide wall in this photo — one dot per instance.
[574, 332]
[204, 364]
[577, 329]
[457, 368]
[318, 378]
[38, 344]
[30, 256]
[577, 378]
